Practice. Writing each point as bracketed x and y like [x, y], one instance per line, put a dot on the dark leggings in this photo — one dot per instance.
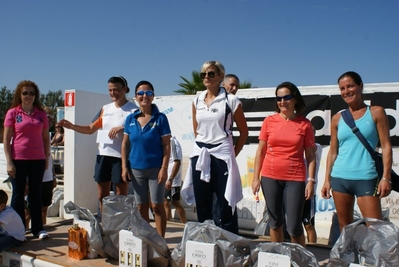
[33, 170]
[288, 196]
[204, 192]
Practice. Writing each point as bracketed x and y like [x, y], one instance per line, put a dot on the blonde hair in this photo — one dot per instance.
[217, 64]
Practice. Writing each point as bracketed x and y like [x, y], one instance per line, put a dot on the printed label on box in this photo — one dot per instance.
[266, 259]
[132, 250]
[91, 254]
[199, 254]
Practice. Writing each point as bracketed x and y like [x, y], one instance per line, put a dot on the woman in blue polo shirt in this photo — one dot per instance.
[146, 149]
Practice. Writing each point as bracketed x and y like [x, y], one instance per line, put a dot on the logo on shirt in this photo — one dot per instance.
[153, 124]
[18, 118]
[214, 110]
[132, 124]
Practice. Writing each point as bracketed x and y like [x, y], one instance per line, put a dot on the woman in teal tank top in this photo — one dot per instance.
[350, 172]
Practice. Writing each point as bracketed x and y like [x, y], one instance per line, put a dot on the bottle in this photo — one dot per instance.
[137, 260]
[129, 259]
[122, 258]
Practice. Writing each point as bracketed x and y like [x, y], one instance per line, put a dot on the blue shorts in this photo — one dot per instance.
[357, 188]
[108, 169]
[146, 181]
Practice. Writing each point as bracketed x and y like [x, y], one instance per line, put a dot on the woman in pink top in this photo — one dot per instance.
[27, 148]
[279, 164]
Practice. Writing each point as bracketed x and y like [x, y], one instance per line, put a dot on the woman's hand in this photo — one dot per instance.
[11, 169]
[309, 190]
[384, 187]
[162, 175]
[326, 189]
[126, 175]
[255, 186]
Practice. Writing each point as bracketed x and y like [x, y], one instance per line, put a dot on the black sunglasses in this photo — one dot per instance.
[31, 93]
[147, 93]
[285, 97]
[211, 74]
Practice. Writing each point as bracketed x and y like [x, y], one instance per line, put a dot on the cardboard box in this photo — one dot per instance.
[200, 254]
[266, 259]
[132, 250]
[91, 254]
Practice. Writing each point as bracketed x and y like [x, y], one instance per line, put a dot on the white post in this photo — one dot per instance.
[80, 149]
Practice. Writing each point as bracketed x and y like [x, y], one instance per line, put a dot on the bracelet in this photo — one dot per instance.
[386, 179]
[163, 167]
[311, 180]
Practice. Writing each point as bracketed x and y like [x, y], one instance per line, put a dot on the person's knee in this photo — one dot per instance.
[177, 204]
[158, 208]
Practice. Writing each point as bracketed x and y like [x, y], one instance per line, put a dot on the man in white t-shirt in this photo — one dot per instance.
[173, 184]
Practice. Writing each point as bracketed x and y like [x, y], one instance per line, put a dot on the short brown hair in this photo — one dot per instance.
[3, 197]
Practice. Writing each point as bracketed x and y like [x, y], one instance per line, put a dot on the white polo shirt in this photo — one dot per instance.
[213, 124]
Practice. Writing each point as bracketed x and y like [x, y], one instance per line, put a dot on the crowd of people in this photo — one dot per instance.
[143, 152]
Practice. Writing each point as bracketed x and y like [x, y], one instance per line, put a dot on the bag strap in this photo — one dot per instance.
[348, 118]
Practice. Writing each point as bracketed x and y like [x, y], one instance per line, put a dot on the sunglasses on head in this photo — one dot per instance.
[211, 74]
[285, 97]
[31, 93]
[147, 93]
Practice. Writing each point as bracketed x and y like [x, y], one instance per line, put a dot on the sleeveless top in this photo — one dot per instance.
[353, 161]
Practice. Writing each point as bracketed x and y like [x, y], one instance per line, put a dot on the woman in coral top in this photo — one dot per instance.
[280, 167]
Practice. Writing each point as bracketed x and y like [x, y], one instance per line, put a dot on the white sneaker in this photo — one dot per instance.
[43, 235]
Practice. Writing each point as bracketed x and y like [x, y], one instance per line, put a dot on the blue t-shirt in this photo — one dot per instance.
[353, 161]
[146, 149]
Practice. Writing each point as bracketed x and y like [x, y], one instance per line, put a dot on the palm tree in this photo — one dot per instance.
[191, 87]
[245, 85]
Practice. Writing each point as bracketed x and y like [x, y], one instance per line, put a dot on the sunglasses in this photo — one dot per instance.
[211, 74]
[285, 97]
[31, 93]
[147, 93]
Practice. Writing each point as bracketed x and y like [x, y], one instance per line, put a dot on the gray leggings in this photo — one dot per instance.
[284, 196]
[146, 181]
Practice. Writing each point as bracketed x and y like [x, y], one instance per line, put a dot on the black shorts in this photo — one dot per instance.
[47, 193]
[309, 211]
[173, 194]
[108, 169]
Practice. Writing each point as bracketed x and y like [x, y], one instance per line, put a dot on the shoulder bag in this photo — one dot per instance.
[347, 116]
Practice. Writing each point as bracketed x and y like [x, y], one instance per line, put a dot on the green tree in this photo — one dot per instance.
[191, 87]
[6, 96]
[52, 100]
[245, 85]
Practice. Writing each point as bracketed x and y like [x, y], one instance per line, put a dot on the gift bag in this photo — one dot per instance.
[77, 242]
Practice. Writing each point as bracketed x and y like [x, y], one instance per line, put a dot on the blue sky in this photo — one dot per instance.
[80, 44]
